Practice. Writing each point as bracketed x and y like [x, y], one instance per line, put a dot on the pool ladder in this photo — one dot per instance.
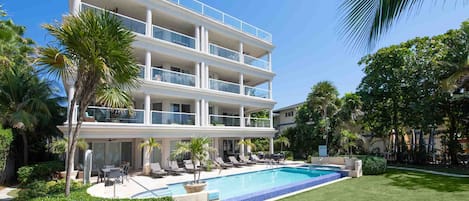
[271, 164]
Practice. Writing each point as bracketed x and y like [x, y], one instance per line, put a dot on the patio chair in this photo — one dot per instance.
[245, 160]
[222, 163]
[125, 172]
[190, 167]
[174, 168]
[257, 159]
[235, 162]
[157, 171]
[116, 175]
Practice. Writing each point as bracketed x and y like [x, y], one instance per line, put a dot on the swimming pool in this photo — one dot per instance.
[259, 185]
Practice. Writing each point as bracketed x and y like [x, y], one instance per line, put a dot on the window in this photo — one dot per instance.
[290, 114]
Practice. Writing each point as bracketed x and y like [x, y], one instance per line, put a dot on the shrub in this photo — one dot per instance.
[288, 155]
[42, 189]
[372, 165]
[308, 160]
[39, 171]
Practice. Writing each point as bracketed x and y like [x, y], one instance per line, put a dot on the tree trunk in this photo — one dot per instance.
[25, 147]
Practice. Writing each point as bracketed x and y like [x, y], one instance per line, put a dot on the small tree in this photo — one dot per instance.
[247, 142]
[150, 144]
[59, 146]
[283, 141]
[199, 149]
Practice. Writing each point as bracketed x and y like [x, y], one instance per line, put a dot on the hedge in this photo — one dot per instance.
[373, 165]
[39, 171]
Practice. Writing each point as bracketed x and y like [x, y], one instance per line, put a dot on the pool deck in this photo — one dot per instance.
[138, 184]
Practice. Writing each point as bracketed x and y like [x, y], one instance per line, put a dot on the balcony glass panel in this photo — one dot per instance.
[224, 52]
[257, 92]
[224, 86]
[223, 120]
[179, 118]
[173, 37]
[141, 74]
[257, 122]
[130, 23]
[164, 75]
[113, 115]
[260, 63]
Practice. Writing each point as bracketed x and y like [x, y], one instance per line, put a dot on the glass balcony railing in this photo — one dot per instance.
[223, 120]
[224, 52]
[257, 92]
[224, 18]
[113, 115]
[173, 37]
[256, 62]
[179, 118]
[257, 122]
[224, 86]
[141, 74]
[130, 23]
[174, 77]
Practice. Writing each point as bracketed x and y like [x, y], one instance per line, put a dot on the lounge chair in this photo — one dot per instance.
[257, 159]
[190, 166]
[156, 170]
[236, 162]
[174, 168]
[222, 163]
[247, 161]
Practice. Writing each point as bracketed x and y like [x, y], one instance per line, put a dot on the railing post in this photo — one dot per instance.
[241, 84]
[147, 113]
[271, 119]
[241, 116]
[270, 89]
[241, 54]
[269, 60]
[197, 112]
[148, 75]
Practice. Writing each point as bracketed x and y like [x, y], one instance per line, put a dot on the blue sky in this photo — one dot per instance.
[308, 48]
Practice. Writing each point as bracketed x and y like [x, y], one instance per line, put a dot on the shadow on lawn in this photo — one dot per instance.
[417, 180]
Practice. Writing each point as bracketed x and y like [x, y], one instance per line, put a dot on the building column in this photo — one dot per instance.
[165, 153]
[271, 145]
[241, 148]
[241, 116]
[197, 38]
[270, 89]
[197, 75]
[271, 118]
[146, 158]
[202, 75]
[148, 75]
[202, 39]
[149, 24]
[147, 115]
[137, 154]
[248, 148]
[207, 77]
[269, 59]
[207, 116]
[202, 113]
[241, 84]
[241, 52]
[75, 7]
[207, 48]
[197, 112]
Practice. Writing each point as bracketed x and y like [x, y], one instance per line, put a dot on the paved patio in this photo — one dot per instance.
[137, 184]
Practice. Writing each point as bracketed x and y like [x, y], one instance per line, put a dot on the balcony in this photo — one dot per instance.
[172, 118]
[224, 86]
[256, 92]
[113, 115]
[173, 37]
[256, 62]
[224, 120]
[224, 18]
[257, 122]
[223, 52]
[141, 74]
[130, 23]
[174, 77]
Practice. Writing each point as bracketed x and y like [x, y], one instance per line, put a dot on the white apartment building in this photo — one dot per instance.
[204, 72]
[285, 117]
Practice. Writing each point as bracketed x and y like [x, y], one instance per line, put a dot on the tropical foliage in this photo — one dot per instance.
[92, 53]
[199, 149]
[149, 145]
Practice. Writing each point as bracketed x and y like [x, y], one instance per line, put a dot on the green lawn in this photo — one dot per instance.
[439, 168]
[395, 185]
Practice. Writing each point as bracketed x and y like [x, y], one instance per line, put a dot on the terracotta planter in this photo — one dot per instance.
[62, 174]
[195, 188]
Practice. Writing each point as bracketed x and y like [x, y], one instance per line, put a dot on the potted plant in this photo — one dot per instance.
[199, 149]
[59, 146]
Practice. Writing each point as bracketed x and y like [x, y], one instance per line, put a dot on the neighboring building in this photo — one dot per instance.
[201, 70]
[285, 117]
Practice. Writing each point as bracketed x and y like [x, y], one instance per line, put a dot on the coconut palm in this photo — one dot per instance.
[283, 141]
[150, 144]
[92, 52]
[199, 149]
[25, 103]
[247, 142]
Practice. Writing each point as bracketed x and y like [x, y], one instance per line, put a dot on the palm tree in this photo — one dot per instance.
[59, 146]
[150, 144]
[324, 100]
[92, 53]
[25, 102]
[200, 150]
[247, 142]
[283, 141]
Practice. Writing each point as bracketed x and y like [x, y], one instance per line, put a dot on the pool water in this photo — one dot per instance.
[247, 183]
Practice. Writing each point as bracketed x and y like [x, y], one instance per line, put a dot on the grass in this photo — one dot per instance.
[394, 185]
[438, 168]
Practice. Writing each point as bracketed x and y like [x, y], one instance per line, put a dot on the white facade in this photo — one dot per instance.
[203, 73]
[285, 117]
